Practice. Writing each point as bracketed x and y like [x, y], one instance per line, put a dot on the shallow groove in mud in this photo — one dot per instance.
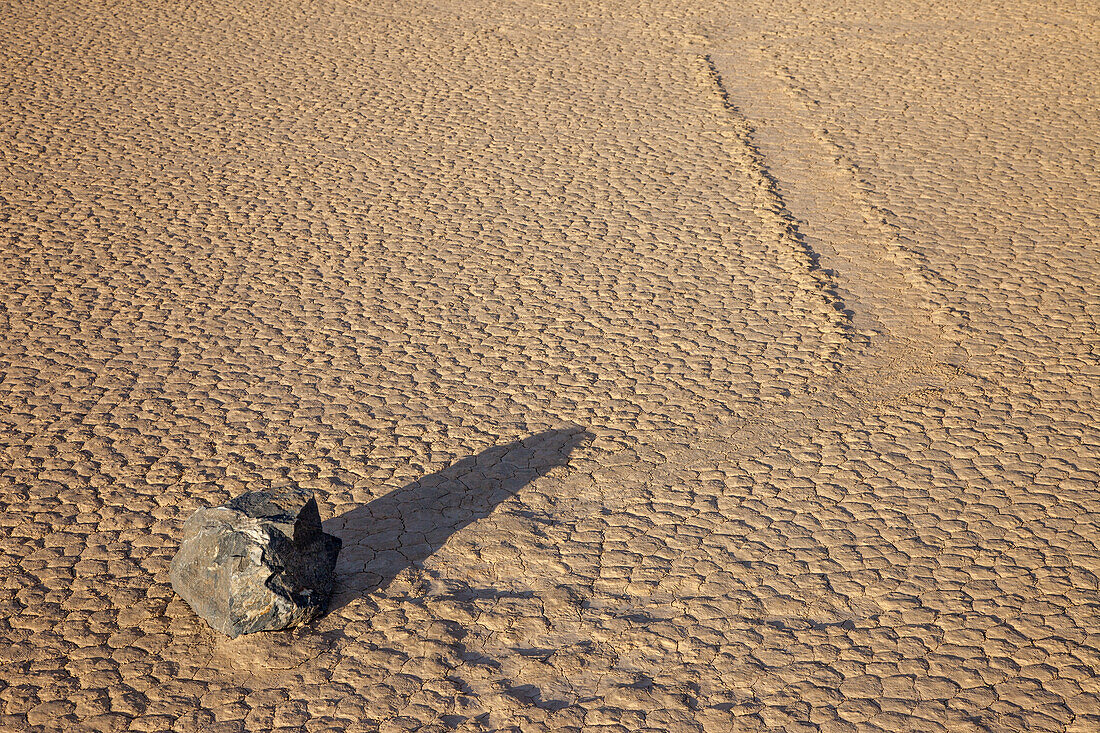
[770, 199]
[919, 273]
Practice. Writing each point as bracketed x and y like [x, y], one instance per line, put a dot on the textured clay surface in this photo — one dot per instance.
[665, 366]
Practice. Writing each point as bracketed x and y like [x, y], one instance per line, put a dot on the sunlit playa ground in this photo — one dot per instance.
[663, 365]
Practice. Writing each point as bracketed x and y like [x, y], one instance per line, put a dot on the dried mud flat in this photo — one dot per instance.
[662, 368]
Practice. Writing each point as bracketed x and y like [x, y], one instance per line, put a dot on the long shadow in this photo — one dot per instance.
[407, 525]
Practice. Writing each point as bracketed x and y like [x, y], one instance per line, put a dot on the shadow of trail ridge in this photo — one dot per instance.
[407, 525]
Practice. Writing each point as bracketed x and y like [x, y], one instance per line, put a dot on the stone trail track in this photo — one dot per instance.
[661, 367]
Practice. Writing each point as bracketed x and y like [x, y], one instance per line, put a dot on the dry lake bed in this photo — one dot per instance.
[661, 366]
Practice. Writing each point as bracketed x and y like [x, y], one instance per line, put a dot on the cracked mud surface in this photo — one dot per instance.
[661, 368]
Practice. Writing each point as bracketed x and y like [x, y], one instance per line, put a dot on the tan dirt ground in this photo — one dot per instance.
[662, 367]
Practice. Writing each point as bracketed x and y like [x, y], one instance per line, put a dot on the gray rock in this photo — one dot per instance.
[260, 562]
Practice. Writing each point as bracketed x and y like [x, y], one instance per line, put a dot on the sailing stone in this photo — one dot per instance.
[260, 562]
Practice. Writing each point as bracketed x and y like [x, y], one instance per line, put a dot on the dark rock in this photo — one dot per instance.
[260, 562]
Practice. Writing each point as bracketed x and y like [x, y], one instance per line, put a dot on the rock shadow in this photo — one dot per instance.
[407, 525]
